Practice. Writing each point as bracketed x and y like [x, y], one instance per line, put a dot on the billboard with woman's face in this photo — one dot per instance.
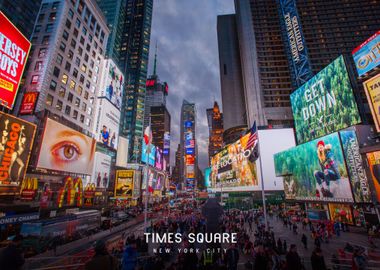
[65, 149]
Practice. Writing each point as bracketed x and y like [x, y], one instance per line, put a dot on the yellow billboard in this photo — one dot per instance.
[372, 91]
[124, 183]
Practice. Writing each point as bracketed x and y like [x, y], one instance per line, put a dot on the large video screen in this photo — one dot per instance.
[315, 171]
[112, 84]
[159, 159]
[367, 55]
[124, 183]
[234, 168]
[325, 103]
[374, 166]
[151, 156]
[101, 170]
[65, 149]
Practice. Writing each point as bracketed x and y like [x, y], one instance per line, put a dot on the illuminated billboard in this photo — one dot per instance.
[367, 55]
[233, 168]
[16, 143]
[315, 171]
[325, 103]
[101, 170]
[122, 152]
[152, 154]
[374, 166]
[111, 84]
[107, 123]
[65, 149]
[28, 103]
[14, 51]
[372, 91]
[159, 159]
[354, 162]
[166, 143]
[207, 174]
[124, 183]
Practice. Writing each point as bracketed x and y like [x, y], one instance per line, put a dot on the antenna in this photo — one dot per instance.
[155, 61]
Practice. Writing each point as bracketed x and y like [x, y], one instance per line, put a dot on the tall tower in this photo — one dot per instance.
[215, 127]
[134, 61]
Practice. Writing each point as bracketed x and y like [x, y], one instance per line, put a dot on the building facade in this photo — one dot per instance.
[134, 57]
[215, 128]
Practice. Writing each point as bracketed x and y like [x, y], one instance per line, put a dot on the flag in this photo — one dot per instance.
[148, 135]
[150, 189]
[253, 139]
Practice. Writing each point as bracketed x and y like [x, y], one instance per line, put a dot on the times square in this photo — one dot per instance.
[170, 134]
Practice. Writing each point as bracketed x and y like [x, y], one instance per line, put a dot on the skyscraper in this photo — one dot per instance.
[215, 127]
[134, 61]
[233, 101]
[329, 29]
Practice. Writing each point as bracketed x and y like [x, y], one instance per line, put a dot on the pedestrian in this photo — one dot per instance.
[130, 256]
[279, 246]
[304, 240]
[12, 257]
[317, 242]
[293, 260]
[317, 260]
[359, 261]
[285, 247]
[295, 228]
[102, 259]
[232, 257]
[260, 259]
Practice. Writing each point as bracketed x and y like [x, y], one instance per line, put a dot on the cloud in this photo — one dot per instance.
[185, 32]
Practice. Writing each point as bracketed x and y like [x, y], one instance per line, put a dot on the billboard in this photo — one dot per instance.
[233, 167]
[190, 151]
[101, 170]
[341, 212]
[372, 91]
[166, 143]
[159, 159]
[374, 166]
[65, 149]
[124, 183]
[16, 143]
[367, 55]
[354, 162]
[295, 42]
[190, 160]
[28, 103]
[325, 103]
[152, 154]
[111, 86]
[14, 51]
[188, 124]
[107, 123]
[315, 171]
[207, 174]
[122, 152]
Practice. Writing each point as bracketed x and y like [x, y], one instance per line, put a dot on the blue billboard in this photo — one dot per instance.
[190, 151]
[152, 155]
[207, 177]
[367, 55]
[295, 42]
[188, 124]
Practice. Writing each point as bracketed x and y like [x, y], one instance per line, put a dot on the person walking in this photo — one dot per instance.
[12, 257]
[304, 240]
[317, 260]
[359, 261]
[293, 260]
[129, 257]
[285, 247]
[232, 257]
[102, 259]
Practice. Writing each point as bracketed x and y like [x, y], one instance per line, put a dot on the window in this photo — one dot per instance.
[37, 29]
[86, 95]
[56, 72]
[89, 110]
[88, 47]
[73, 43]
[62, 47]
[45, 40]
[81, 79]
[49, 100]
[62, 92]
[71, 14]
[92, 99]
[35, 79]
[83, 68]
[41, 18]
[84, 31]
[70, 97]
[38, 66]
[88, 122]
[44, 6]
[53, 85]
[67, 110]
[55, 5]
[80, 51]
[68, 23]
[75, 73]
[70, 55]
[77, 23]
[82, 118]
[77, 102]
[86, 57]
[81, 40]
[76, 32]
[42, 52]
[65, 35]
[84, 106]
[88, 84]
[79, 90]
[59, 59]
[68, 66]
[59, 105]
[90, 38]
[64, 78]
[75, 114]
[49, 28]
[90, 74]
[52, 16]
[72, 85]
[92, 63]
[93, 89]
[77, 61]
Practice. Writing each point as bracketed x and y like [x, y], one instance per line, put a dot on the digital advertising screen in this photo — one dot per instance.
[354, 162]
[101, 170]
[341, 213]
[159, 159]
[124, 183]
[372, 91]
[122, 152]
[111, 85]
[367, 55]
[152, 154]
[315, 171]
[207, 174]
[234, 168]
[28, 103]
[16, 143]
[65, 149]
[374, 166]
[14, 51]
[325, 103]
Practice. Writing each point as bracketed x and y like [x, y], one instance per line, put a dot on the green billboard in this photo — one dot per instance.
[325, 103]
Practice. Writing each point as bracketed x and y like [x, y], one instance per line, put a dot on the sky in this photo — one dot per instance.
[185, 32]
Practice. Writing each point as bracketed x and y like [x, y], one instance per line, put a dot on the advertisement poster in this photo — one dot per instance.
[16, 143]
[233, 168]
[374, 165]
[111, 86]
[372, 91]
[101, 171]
[107, 123]
[14, 51]
[166, 151]
[159, 159]
[295, 42]
[367, 55]
[325, 103]
[122, 152]
[341, 212]
[151, 156]
[315, 171]
[28, 103]
[124, 183]
[354, 162]
[65, 149]
[207, 174]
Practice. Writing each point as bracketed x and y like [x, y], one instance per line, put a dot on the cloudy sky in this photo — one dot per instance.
[185, 32]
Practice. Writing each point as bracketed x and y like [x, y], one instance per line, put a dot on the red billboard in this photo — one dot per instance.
[14, 50]
[28, 103]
